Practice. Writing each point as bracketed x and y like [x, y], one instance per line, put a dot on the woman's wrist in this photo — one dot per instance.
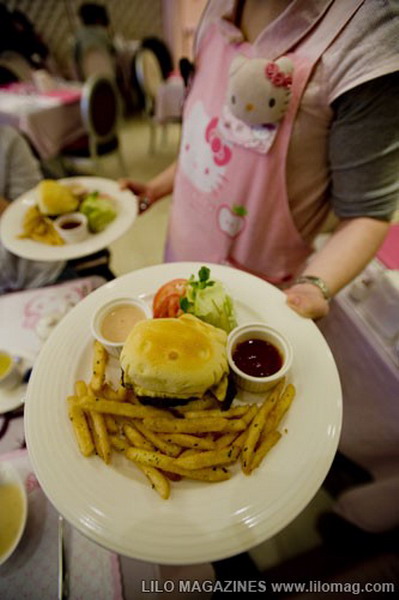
[317, 282]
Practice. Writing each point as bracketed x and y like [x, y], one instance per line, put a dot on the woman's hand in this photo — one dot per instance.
[143, 191]
[154, 190]
[307, 300]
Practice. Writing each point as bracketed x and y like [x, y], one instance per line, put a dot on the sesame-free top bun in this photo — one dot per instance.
[174, 358]
[55, 199]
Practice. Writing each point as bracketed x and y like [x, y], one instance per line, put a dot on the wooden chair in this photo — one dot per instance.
[100, 110]
[15, 67]
[153, 86]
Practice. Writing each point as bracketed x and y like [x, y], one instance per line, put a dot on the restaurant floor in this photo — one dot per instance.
[142, 246]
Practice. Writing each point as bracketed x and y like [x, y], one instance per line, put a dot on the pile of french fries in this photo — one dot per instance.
[37, 227]
[196, 440]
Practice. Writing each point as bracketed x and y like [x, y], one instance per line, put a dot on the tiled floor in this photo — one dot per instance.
[143, 245]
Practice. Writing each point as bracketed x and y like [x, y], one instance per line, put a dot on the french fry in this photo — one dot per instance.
[166, 463]
[199, 404]
[118, 443]
[210, 458]
[167, 448]
[185, 440]
[111, 424]
[136, 438]
[225, 440]
[158, 480]
[247, 418]
[101, 440]
[240, 440]
[108, 392]
[121, 409]
[166, 425]
[280, 409]
[99, 363]
[236, 411]
[80, 388]
[172, 476]
[256, 427]
[235, 425]
[264, 447]
[80, 427]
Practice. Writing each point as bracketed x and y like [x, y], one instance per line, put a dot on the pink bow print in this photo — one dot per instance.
[277, 77]
[221, 152]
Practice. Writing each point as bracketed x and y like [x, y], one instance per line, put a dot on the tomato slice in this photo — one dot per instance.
[166, 302]
[170, 307]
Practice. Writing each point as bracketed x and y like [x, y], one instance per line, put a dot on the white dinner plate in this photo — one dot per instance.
[11, 223]
[116, 507]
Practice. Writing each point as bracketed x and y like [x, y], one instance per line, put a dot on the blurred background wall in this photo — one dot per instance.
[56, 20]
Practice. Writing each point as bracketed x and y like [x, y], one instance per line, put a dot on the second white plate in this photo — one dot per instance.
[11, 224]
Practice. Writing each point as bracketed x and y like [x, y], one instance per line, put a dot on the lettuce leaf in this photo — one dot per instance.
[208, 300]
[98, 210]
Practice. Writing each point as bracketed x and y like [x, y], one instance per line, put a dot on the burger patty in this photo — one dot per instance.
[171, 402]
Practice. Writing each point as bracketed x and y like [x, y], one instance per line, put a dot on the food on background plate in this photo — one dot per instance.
[99, 211]
[204, 297]
[56, 199]
[39, 228]
[175, 359]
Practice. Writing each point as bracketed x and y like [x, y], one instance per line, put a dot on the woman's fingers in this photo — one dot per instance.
[307, 301]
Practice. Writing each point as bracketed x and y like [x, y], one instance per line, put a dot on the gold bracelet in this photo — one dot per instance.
[318, 282]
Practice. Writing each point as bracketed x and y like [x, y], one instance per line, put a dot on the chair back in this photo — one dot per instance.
[100, 108]
[7, 75]
[97, 61]
[17, 66]
[149, 75]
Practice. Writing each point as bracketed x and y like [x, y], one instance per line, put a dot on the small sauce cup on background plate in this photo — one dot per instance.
[113, 321]
[72, 227]
[13, 510]
[259, 356]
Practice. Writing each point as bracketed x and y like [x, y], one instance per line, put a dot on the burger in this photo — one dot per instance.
[55, 199]
[168, 361]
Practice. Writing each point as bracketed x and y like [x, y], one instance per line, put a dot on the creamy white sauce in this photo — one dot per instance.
[119, 321]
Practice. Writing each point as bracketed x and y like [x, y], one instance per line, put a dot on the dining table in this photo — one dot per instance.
[48, 116]
[27, 320]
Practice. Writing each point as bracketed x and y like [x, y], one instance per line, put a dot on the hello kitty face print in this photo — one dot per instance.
[204, 153]
[257, 98]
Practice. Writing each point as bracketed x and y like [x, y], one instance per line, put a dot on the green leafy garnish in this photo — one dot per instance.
[207, 299]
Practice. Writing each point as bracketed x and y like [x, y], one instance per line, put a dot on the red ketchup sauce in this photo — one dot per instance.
[257, 358]
[70, 224]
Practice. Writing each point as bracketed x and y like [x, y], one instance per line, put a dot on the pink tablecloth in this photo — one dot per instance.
[50, 120]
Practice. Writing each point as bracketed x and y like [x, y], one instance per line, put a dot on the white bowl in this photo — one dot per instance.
[9, 476]
[260, 331]
[72, 234]
[114, 347]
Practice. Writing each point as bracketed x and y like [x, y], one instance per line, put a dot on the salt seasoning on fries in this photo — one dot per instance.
[196, 440]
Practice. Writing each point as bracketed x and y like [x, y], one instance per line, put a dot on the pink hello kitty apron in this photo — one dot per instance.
[230, 201]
